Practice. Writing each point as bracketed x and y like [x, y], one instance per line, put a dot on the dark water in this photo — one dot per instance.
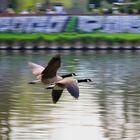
[108, 108]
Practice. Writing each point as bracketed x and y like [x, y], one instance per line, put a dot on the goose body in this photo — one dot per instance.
[47, 75]
[70, 84]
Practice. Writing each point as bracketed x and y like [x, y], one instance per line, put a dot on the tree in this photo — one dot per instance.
[3, 5]
[105, 4]
[20, 5]
[111, 1]
[96, 2]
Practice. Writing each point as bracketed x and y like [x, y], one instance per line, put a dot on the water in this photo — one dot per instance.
[108, 108]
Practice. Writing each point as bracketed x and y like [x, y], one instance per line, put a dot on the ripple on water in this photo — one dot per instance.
[108, 107]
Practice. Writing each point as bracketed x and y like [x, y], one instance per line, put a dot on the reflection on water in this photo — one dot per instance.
[108, 108]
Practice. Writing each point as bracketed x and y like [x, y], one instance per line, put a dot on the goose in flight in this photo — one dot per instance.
[49, 74]
[70, 84]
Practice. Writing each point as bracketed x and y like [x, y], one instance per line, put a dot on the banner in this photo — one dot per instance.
[50, 24]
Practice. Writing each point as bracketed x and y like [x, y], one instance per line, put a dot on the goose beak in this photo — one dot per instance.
[89, 80]
[73, 74]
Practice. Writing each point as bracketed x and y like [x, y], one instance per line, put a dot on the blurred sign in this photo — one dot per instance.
[110, 24]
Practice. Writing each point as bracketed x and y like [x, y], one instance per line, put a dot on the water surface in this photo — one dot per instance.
[108, 108]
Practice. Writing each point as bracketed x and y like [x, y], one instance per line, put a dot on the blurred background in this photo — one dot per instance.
[71, 6]
[103, 48]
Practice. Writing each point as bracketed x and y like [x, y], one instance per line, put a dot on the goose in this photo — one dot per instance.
[70, 84]
[48, 75]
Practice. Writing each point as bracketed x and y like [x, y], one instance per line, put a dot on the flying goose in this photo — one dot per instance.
[48, 75]
[70, 84]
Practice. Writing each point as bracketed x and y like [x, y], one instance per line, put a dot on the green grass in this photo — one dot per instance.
[70, 36]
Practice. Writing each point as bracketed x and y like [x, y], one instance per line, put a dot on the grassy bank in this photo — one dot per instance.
[70, 36]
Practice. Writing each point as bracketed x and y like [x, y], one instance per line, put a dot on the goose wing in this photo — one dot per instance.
[57, 92]
[36, 69]
[71, 85]
[52, 67]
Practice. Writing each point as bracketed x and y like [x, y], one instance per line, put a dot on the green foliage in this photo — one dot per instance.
[86, 37]
[96, 2]
[66, 3]
[105, 4]
[131, 7]
[20, 5]
[13, 4]
[135, 6]
[23, 5]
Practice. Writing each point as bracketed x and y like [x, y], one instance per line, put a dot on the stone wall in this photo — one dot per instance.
[76, 45]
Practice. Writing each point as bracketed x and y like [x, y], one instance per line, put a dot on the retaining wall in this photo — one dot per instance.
[77, 45]
[61, 23]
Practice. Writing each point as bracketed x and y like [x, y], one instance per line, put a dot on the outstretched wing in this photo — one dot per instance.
[71, 85]
[73, 88]
[52, 67]
[36, 69]
[57, 92]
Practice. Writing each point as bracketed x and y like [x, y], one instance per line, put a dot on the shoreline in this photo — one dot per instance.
[77, 45]
[69, 41]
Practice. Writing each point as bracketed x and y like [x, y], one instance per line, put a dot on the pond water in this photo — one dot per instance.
[108, 107]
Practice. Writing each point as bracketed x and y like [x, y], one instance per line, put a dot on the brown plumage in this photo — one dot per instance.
[49, 74]
[46, 75]
[52, 67]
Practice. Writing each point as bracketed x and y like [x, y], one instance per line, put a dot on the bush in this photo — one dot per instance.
[69, 36]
